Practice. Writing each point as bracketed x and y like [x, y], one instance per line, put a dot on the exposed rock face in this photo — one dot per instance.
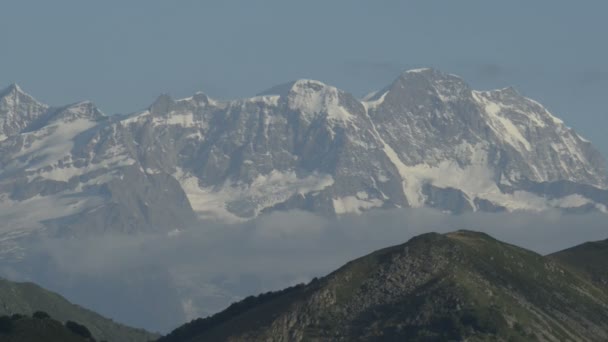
[427, 139]
[459, 286]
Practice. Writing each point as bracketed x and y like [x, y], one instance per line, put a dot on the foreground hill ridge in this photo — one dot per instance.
[426, 140]
[28, 298]
[458, 286]
[463, 285]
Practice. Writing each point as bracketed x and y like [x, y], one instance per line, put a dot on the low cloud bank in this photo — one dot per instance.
[157, 281]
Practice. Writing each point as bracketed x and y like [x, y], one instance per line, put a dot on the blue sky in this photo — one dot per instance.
[122, 54]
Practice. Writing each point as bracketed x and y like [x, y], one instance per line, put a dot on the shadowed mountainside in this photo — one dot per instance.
[590, 258]
[27, 298]
[41, 327]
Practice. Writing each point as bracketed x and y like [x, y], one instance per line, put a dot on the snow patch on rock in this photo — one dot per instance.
[237, 201]
[313, 98]
[354, 204]
[501, 125]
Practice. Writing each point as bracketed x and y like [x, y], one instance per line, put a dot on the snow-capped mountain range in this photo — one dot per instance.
[426, 140]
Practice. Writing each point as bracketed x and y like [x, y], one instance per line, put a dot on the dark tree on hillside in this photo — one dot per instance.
[6, 324]
[41, 315]
[78, 329]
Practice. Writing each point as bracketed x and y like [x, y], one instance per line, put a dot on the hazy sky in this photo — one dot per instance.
[123, 53]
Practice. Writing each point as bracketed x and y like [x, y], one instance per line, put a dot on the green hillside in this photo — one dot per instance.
[42, 328]
[27, 298]
[590, 258]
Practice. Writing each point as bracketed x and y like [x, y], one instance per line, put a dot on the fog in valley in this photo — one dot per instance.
[158, 281]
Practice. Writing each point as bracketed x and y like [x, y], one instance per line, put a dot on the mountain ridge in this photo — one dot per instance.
[426, 140]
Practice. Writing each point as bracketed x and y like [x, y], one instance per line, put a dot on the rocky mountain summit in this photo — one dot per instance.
[426, 140]
[461, 286]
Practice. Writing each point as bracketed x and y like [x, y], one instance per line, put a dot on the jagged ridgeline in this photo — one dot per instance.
[31, 313]
[453, 287]
[426, 140]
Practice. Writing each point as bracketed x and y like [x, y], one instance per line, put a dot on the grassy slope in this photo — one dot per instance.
[26, 298]
[531, 291]
[590, 258]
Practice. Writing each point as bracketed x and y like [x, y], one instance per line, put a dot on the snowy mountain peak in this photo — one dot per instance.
[12, 88]
[511, 103]
[429, 74]
[427, 139]
[298, 86]
[422, 83]
[307, 83]
[18, 110]
[201, 98]
[309, 88]
[14, 93]
[81, 110]
[508, 91]
[314, 99]
[162, 105]
[418, 70]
